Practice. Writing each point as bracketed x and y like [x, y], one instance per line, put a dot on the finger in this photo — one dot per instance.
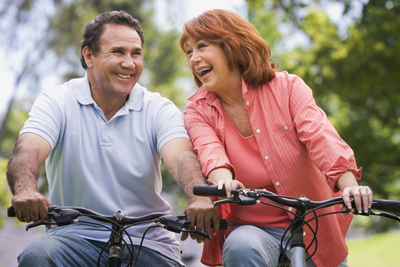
[200, 227]
[26, 215]
[184, 236]
[34, 212]
[357, 199]
[345, 210]
[215, 220]
[43, 212]
[370, 198]
[365, 198]
[228, 188]
[207, 225]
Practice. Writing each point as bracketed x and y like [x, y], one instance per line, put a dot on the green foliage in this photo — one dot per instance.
[13, 126]
[5, 193]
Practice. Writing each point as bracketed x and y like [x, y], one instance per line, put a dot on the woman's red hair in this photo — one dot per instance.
[238, 38]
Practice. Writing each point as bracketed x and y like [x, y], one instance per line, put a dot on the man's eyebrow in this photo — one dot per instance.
[123, 48]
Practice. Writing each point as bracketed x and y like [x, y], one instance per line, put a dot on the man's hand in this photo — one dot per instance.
[201, 212]
[30, 206]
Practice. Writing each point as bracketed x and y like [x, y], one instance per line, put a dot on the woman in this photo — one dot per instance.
[255, 127]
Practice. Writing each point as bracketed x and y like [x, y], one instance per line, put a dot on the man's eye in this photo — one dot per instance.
[118, 52]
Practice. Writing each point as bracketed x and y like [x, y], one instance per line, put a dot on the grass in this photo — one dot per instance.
[378, 250]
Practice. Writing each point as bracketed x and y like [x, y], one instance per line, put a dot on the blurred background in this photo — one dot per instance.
[347, 51]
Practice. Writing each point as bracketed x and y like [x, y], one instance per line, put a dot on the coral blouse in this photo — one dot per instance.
[243, 153]
[300, 149]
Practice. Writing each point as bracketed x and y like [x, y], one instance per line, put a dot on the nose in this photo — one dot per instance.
[195, 58]
[127, 62]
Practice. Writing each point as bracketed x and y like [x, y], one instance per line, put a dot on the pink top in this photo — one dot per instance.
[242, 150]
[299, 147]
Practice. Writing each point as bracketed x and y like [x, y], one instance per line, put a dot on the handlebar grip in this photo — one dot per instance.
[386, 205]
[11, 212]
[208, 191]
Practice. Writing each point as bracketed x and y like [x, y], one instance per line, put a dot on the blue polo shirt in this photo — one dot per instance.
[105, 165]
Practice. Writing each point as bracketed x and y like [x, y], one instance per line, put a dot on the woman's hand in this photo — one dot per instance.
[362, 195]
[223, 177]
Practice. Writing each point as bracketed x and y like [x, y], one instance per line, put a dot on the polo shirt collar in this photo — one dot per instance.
[83, 95]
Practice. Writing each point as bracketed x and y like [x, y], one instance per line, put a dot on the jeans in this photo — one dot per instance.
[248, 245]
[71, 250]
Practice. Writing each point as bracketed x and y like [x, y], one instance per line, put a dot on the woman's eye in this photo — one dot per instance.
[201, 45]
[188, 52]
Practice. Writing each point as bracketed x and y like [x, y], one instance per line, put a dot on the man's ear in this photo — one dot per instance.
[88, 55]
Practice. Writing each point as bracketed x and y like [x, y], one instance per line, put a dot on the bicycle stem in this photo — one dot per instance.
[297, 246]
[114, 259]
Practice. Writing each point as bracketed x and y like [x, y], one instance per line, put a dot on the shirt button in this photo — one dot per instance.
[304, 233]
[258, 131]
[107, 127]
[290, 209]
[247, 103]
[286, 127]
[266, 157]
[277, 183]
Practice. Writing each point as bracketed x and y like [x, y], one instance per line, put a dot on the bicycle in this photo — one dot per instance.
[67, 215]
[303, 208]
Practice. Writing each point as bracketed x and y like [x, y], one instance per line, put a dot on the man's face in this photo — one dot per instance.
[118, 65]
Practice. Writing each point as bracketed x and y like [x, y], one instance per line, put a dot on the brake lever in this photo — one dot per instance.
[64, 216]
[32, 225]
[197, 232]
[174, 223]
[238, 199]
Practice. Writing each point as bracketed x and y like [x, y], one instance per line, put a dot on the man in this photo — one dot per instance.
[102, 137]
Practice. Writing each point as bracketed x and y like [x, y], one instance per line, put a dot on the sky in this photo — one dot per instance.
[172, 15]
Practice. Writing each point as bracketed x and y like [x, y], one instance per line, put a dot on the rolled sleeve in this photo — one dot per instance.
[207, 144]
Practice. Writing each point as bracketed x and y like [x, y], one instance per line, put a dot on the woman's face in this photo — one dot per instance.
[210, 65]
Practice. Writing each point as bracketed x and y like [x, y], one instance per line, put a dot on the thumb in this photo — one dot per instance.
[211, 182]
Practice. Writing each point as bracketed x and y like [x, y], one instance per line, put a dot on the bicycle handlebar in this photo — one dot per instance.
[254, 194]
[67, 214]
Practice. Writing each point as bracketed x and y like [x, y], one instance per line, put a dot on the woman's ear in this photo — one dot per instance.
[88, 56]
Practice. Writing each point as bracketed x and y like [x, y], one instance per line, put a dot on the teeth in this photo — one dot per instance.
[203, 70]
[123, 76]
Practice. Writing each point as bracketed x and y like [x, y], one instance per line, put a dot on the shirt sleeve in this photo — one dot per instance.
[169, 123]
[329, 152]
[206, 141]
[44, 119]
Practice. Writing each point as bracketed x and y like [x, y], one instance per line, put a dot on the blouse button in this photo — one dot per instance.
[277, 183]
[258, 131]
[266, 157]
[286, 127]
[247, 103]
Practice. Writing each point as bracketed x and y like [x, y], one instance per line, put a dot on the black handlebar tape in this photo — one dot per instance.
[386, 205]
[208, 191]
[11, 212]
